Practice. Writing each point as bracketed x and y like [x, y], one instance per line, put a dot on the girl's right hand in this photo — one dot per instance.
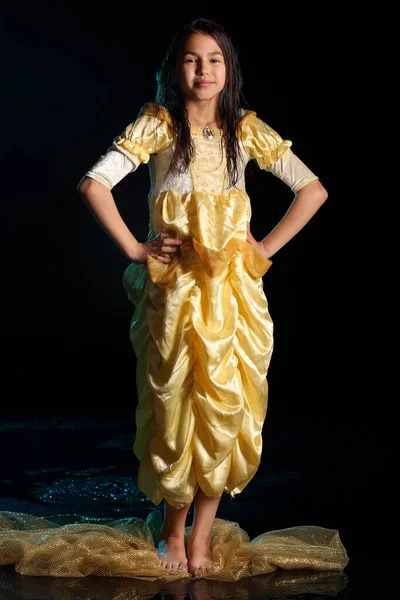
[163, 243]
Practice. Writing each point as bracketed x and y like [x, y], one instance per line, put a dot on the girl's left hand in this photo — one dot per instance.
[259, 245]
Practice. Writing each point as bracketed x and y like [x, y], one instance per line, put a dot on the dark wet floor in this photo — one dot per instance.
[308, 476]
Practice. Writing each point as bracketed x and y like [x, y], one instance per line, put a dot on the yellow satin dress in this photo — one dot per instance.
[203, 338]
[201, 329]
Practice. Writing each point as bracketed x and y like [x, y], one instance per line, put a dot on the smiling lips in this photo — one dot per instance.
[204, 83]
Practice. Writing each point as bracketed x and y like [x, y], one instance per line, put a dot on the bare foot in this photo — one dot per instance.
[172, 553]
[199, 553]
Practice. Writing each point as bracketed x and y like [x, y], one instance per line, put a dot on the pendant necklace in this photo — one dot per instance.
[209, 133]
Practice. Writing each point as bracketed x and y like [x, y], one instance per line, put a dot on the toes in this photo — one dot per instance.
[202, 571]
[174, 564]
[165, 564]
[198, 573]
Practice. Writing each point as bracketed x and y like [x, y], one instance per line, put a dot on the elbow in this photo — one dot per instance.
[321, 198]
[323, 194]
[83, 187]
[314, 193]
[87, 187]
[320, 192]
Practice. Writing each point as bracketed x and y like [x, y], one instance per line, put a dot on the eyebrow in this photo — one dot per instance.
[196, 54]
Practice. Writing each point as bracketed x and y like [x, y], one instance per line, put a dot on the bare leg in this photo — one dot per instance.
[171, 547]
[199, 540]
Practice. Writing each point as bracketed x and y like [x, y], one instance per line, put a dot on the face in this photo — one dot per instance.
[201, 70]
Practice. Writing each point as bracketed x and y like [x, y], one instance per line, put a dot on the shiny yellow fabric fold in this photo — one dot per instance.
[146, 135]
[212, 261]
[203, 334]
[201, 330]
[261, 141]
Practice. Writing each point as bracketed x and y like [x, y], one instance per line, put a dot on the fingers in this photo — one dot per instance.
[165, 244]
[171, 246]
[162, 259]
[168, 243]
[168, 240]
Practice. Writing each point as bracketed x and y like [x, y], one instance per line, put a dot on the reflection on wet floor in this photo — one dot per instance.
[64, 467]
[280, 584]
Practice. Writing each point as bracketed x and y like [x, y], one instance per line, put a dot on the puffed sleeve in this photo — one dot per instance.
[274, 154]
[261, 142]
[150, 133]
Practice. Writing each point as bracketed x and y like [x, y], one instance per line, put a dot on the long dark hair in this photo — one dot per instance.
[230, 101]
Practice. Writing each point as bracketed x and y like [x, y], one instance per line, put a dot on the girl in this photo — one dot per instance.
[201, 330]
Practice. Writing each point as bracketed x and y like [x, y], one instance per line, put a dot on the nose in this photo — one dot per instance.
[202, 67]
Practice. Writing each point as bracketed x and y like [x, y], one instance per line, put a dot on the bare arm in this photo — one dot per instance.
[306, 203]
[100, 201]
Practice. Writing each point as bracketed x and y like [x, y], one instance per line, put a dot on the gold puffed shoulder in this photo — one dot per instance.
[261, 141]
[158, 111]
[150, 133]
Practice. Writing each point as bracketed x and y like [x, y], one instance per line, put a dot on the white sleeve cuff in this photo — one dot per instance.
[99, 178]
[292, 171]
[111, 168]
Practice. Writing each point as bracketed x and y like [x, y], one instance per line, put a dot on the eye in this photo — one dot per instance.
[215, 60]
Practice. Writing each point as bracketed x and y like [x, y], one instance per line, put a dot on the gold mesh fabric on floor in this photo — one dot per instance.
[77, 546]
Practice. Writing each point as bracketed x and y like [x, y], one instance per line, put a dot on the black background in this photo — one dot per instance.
[75, 76]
